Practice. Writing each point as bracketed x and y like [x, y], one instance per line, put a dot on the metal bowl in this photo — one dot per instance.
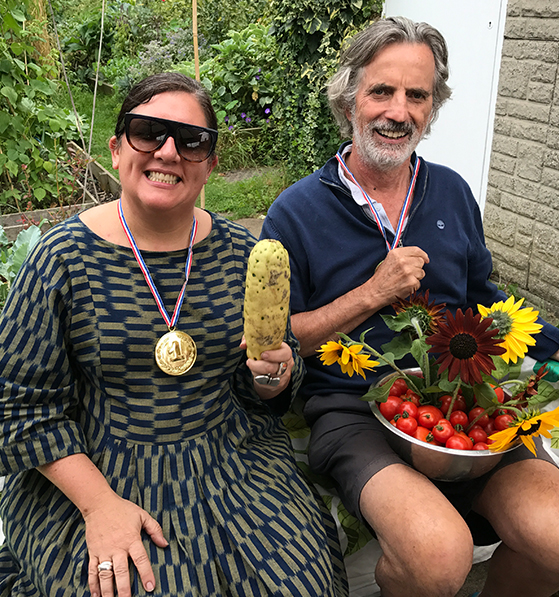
[436, 462]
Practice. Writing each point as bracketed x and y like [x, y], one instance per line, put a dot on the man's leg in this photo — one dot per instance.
[427, 547]
[521, 503]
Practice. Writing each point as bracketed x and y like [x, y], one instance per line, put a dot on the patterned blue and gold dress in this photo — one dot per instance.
[199, 452]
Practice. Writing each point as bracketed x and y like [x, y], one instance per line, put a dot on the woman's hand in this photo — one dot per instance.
[272, 372]
[113, 534]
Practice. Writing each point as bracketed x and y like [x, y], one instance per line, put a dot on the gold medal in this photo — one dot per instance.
[175, 353]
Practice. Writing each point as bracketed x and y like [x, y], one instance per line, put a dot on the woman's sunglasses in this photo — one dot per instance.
[147, 134]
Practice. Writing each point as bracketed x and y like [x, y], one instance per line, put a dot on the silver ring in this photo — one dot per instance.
[267, 380]
[106, 566]
[281, 369]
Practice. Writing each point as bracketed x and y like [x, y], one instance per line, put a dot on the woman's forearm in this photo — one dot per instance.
[79, 479]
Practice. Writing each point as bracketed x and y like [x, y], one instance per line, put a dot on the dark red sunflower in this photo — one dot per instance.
[418, 305]
[465, 344]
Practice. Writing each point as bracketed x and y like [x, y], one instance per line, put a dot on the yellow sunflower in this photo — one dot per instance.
[527, 426]
[348, 357]
[515, 326]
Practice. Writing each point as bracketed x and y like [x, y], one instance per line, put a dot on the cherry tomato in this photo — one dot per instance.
[490, 428]
[390, 408]
[477, 434]
[429, 415]
[443, 430]
[502, 422]
[411, 397]
[475, 412]
[409, 407]
[459, 403]
[498, 412]
[425, 435]
[499, 393]
[459, 417]
[399, 387]
[480, 446]
[407, 424]
[456, 442]
[469, 441]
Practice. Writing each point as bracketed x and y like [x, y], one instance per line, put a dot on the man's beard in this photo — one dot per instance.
[374, 153]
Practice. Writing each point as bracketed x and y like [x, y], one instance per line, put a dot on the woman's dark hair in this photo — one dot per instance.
[153, 85]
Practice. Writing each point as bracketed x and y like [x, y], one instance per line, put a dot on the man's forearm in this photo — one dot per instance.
[345, 314]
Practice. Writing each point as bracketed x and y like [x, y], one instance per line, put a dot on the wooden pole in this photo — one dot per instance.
[196, 70]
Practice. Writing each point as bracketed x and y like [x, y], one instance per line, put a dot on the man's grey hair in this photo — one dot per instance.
[343, 85]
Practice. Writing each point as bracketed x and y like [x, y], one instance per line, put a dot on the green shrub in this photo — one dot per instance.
[33, 131]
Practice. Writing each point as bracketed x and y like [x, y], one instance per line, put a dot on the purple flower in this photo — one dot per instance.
[267, 111]
[248, 119]
[230, 127]
[226, 119]
[243, 114]
[257, 77]
[268, 119]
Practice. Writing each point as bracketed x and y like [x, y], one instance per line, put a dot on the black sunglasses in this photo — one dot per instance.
[147, 134]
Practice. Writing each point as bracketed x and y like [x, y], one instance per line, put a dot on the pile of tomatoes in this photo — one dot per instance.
[430, 423]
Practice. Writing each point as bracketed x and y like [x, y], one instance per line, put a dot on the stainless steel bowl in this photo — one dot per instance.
[438, 463]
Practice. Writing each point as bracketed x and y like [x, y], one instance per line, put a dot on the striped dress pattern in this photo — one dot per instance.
[201, 453]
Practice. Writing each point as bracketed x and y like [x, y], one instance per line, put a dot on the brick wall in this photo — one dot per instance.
[521, 212]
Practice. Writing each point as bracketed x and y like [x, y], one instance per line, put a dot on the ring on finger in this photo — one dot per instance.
[267, 380]
[106, 566]
[282, 367]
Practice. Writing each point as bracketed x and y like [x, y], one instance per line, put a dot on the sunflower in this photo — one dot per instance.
[514, 325]
[348, 357]
[529, 424]
[418, 305]
[465, 344]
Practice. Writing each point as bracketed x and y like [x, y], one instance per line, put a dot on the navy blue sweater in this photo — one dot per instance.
[335, 245]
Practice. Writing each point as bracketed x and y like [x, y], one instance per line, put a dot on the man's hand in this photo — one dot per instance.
[399, 274]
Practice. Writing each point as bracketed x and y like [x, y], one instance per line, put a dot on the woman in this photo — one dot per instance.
[140, 453]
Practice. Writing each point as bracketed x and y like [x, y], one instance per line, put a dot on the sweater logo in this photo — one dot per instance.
[440, 224]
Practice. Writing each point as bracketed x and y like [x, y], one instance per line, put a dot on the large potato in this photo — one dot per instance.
[267, 297]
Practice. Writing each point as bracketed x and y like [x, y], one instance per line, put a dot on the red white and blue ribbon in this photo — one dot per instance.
[171, 322]
[404, 209]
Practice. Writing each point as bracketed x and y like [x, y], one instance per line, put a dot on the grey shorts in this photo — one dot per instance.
[348, 444]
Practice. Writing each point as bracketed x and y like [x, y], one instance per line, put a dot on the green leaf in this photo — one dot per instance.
[379, 394]
[546, 393]
[40, 193]
[10, 93]
[419, 350]
[486, 397]
[296, 425]
[4, 121]
[48, 167]
[554, 440]
[501, 368]
[400, 346]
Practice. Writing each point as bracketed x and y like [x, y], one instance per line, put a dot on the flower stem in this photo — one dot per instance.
[425, 360]
[381, 357]
[453, 399]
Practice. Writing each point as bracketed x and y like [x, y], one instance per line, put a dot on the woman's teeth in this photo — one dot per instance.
[160, 177]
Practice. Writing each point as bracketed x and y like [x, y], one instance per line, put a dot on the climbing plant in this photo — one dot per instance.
[310, 34]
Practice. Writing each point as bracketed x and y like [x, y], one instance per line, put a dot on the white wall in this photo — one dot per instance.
[461, 138]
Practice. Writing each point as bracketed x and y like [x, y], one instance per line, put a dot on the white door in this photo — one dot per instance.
[461, 138]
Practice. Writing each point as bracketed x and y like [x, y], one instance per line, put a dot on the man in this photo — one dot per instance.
[375, 224]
